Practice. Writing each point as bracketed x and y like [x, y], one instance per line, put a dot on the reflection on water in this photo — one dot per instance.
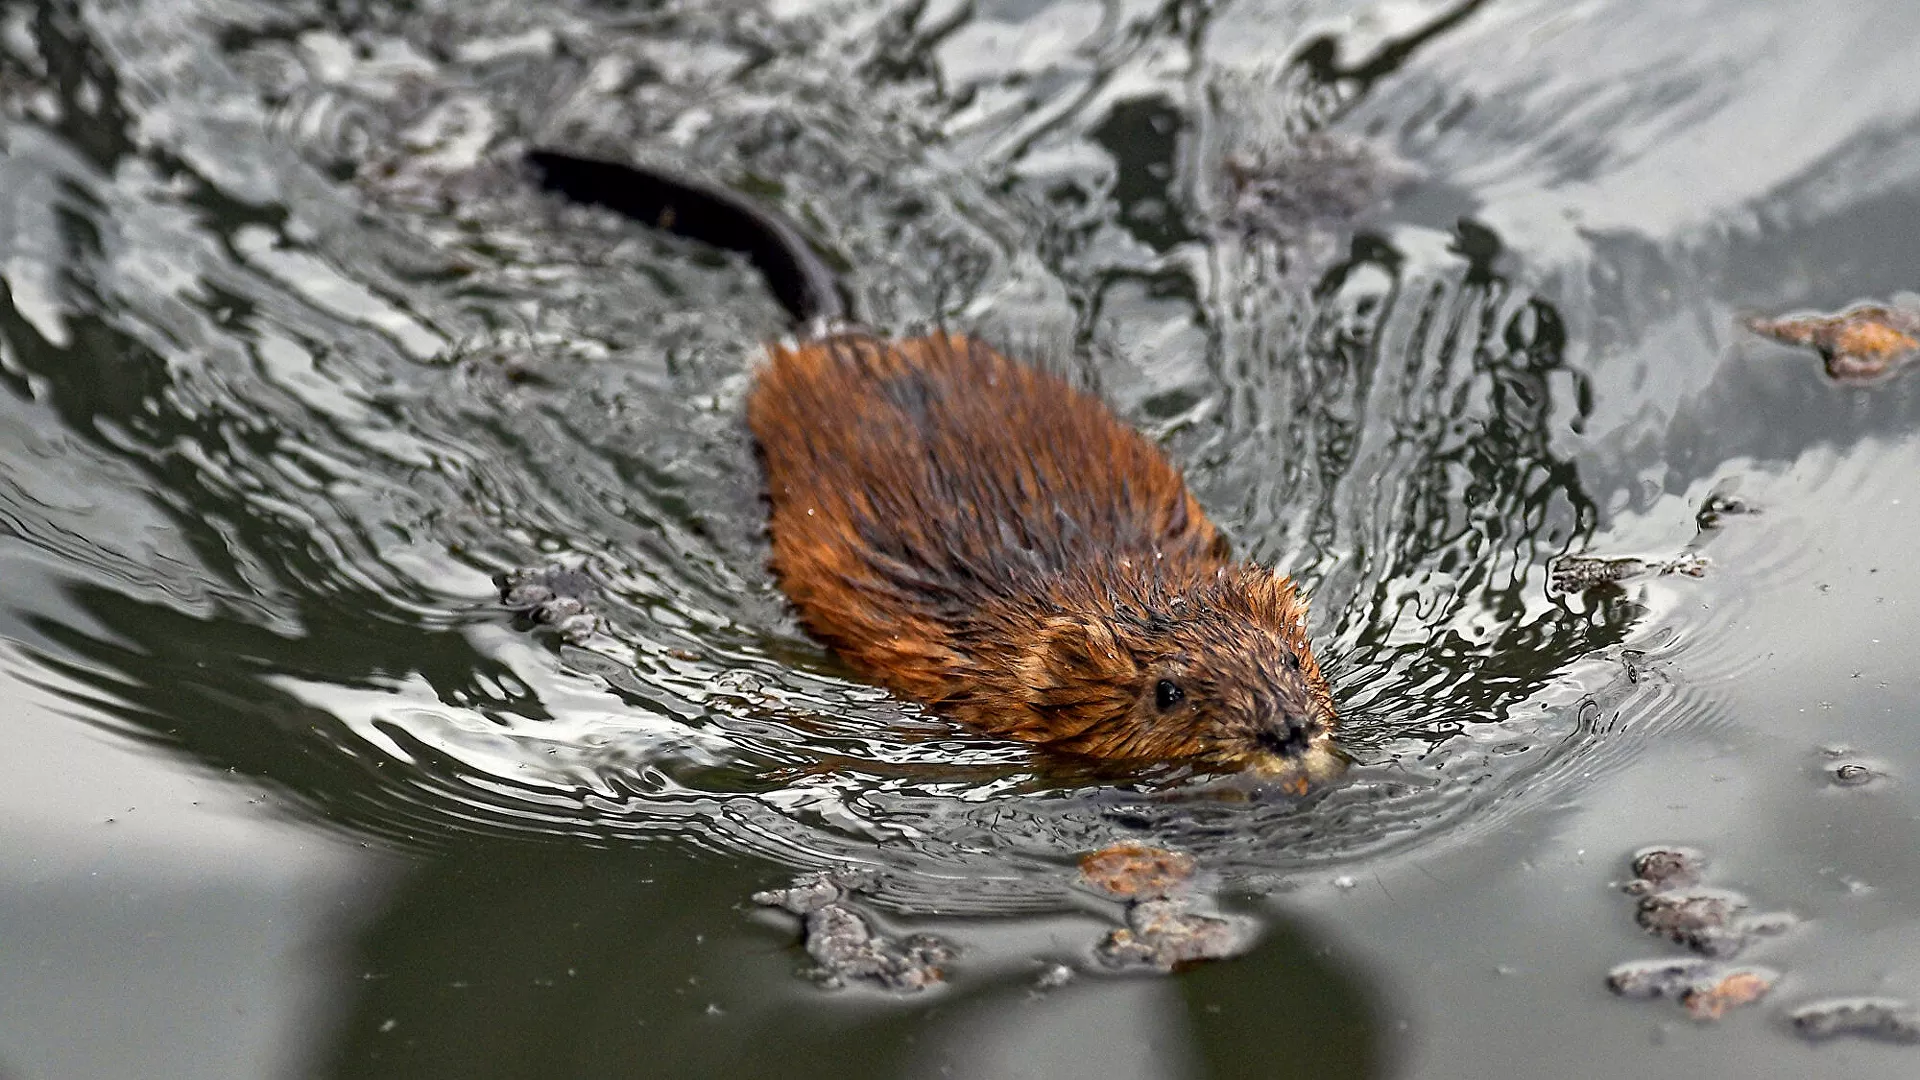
[512, 961]
[296, 363]
[351, 414]
[352, 429]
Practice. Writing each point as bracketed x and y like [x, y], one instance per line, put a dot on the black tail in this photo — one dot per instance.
[799, 277]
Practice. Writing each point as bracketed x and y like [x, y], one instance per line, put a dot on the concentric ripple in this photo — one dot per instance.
[324, 366]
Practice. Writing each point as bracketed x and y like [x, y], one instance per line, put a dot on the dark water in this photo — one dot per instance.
[1422, 297]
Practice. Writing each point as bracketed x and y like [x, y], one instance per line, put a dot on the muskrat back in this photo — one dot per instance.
[978, 535]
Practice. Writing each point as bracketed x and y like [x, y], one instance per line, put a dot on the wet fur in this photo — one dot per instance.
[980, 536]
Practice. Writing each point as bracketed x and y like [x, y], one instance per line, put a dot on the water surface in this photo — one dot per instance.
[1422, 297]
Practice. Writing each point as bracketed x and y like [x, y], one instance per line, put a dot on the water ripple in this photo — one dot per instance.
[323, 366]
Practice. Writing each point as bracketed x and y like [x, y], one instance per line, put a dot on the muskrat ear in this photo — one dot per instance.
[1078, 675]
[1083, 649]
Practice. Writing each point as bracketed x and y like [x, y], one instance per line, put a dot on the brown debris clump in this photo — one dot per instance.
[1165, 936]
[1162, 932]
[1741, 986]
[1711, 923]
[1135, 871]
[1862, 342]
[1673, 904]
[1703, 988]
[844, 945]
[1704, 920]
[1665, 868]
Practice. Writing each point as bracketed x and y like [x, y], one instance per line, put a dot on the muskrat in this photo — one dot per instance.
[977, 535]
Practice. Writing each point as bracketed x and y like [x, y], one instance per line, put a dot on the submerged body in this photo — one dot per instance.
[979, 536]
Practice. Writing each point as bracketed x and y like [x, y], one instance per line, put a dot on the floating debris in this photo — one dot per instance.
[845, 947]
[554, 596]
[1741, 986]
[1311, 184]
[1710, 922]
[1703, 920]
[1862, 342]
[1053, 977]
[1705, 989]
[1136, 871]
[1851, 774]
[1574, 574]
[1667, 977]
[1658, 868]
[808, 893]
[1164, 935]
[1872, 1017]
[1717, 507]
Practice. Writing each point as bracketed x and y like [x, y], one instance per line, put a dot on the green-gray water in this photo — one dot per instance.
[293, 363]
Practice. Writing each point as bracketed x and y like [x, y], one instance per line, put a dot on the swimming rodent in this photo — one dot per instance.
[979, 536]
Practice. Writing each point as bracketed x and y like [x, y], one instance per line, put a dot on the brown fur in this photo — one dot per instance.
[981, 537]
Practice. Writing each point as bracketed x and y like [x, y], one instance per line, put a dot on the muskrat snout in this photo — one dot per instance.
[1315, 762]
[1288, 738]
[1293, 735]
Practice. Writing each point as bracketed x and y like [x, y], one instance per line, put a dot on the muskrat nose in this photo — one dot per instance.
[1287, 738]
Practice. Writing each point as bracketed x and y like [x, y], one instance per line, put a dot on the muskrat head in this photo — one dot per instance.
[1214, 668]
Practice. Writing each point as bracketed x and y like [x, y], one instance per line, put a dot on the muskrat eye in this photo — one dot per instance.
[1167, 693]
